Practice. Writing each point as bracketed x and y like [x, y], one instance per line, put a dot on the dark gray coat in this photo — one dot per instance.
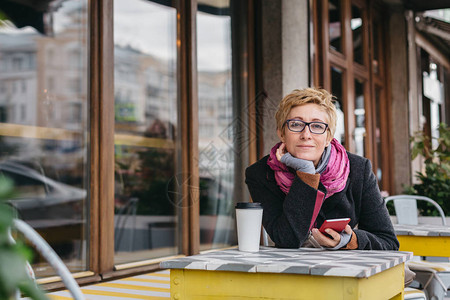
[286, 218]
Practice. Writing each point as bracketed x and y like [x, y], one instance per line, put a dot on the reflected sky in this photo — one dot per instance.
[214, 36]
[136, 20]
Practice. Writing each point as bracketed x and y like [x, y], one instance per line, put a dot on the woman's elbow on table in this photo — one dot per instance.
[370, 241]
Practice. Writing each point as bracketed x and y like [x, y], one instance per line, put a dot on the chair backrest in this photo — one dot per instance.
[265, 238]
[406, 208]
[50, 255]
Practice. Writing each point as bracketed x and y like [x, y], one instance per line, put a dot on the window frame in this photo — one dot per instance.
[101, 153]
[324, 58]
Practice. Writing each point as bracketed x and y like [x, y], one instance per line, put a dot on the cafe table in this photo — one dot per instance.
[424, 239]
[274, 273]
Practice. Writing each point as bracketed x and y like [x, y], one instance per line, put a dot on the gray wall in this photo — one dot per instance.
[284, 50]
[295, 45]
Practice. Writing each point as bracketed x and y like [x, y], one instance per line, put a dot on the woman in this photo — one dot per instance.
[309, 178]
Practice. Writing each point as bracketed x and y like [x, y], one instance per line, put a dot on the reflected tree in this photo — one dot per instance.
[146, 173]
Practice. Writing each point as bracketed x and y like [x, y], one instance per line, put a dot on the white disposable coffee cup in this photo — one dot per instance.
[248, 220]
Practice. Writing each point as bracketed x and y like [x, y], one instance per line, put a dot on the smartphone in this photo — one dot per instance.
[337, 225]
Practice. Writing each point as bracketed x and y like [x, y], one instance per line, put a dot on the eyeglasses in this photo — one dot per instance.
[314, 127]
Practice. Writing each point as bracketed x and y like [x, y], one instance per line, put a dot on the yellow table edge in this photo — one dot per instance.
[425, 245]
[202, 284]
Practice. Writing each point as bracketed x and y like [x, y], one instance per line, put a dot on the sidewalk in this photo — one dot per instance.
[152, 286]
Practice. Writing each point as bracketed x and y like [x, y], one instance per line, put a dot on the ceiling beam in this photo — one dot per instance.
[440, 57]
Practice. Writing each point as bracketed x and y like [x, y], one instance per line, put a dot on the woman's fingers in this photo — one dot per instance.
[280, 151]
[348, 229]
[325, 241]
[279, 155]
[334, 235]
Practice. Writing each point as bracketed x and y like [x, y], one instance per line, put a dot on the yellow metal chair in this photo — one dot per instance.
[433, 276]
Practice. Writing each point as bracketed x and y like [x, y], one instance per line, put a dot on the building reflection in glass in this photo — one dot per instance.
[217, 126]
[44, 122]
[146, 138]
[360, 118]
[336, 89]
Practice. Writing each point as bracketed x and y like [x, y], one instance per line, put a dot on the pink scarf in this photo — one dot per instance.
[334, 178]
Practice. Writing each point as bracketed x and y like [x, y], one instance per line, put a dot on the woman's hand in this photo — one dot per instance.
[332, 242]
[297, 164]
[281, 151]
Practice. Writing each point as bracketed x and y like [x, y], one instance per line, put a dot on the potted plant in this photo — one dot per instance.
[434, 179]
[14, 274]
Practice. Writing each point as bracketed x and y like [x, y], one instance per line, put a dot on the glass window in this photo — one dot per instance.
[74, 113]
[360, 118]
[336, 90]
[434, 92]
[356, 24]
[378, 135]
[376, 47]
[335, 25]
[146, 120]
[24, 86]
[3, 114]
[216, 152]
[46, 157]
[23, 112]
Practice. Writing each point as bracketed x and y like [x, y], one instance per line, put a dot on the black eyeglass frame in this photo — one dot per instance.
[306, 124]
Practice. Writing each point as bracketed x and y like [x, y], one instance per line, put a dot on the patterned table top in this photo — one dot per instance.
[346, 263]
[422, 230]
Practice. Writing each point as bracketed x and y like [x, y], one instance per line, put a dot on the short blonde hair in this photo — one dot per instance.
[301, 97]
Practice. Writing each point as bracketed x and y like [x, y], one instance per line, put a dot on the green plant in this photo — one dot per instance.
[434, 180]
[2, 17]
[13, 256]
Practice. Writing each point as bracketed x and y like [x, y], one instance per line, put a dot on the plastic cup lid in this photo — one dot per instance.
[254, 205]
